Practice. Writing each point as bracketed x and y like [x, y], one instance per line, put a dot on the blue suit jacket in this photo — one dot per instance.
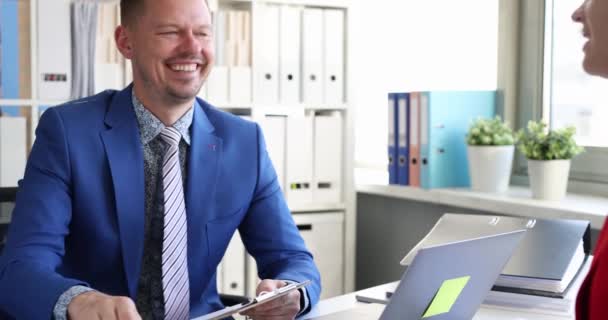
[79, 216]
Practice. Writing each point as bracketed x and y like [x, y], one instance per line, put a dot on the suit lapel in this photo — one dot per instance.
[125, 157]
[203, 159]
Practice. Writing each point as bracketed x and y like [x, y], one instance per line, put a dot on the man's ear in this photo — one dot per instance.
[123, 41]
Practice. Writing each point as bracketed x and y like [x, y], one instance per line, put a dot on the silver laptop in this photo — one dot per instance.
[447, 281]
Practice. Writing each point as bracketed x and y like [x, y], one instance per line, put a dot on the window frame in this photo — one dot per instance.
[588, 172]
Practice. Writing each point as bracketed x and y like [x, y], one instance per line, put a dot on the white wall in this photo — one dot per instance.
[410, 45]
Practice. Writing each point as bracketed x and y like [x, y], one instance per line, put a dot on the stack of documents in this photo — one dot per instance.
[546, 285]
[232, 37]
[545, 262]
[500, 299]
[539, 304]
[84, 21]
[230, 80]
[108, 63]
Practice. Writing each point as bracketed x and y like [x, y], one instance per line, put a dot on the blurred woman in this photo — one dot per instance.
[592, 302]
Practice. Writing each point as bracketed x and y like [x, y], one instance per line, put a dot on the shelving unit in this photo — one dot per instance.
[313, 213]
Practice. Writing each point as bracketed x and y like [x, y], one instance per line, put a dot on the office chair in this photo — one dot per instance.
[231, 300]
[6, 195]
[9, 194]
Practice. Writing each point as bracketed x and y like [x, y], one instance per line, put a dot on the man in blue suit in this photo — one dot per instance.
[130, 198]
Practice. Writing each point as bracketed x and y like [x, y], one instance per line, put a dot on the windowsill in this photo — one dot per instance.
[517, 201]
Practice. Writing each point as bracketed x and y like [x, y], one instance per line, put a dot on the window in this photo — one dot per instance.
[553, 86]
[400, 46]
[572, 97]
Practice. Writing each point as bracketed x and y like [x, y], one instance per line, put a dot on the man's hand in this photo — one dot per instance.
[96, 305]
[285, 307]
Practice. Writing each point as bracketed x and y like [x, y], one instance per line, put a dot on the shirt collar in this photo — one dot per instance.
[150, 126]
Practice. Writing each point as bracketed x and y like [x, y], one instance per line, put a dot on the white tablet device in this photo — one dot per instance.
[252, 303]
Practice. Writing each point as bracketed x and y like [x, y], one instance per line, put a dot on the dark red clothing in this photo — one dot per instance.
[592, 300]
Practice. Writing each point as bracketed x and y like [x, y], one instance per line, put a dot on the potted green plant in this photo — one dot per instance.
[549, 153]
[490, 153]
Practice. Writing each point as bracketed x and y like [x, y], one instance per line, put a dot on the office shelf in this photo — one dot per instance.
[17, 102]
[516, 201]
[317, 3]
[318, 207]
[281, 108]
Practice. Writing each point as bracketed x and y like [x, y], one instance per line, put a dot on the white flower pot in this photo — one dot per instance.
[548, 178]
[490, 167]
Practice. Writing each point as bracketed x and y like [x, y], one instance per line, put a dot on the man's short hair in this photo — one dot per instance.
[129, 10]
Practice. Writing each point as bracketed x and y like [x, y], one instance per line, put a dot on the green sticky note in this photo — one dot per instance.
[446, 296]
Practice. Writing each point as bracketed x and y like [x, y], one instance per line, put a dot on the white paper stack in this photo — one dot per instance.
[230, 80]
[548, 285]
[84, 28]
[109, 65]
[539, 304]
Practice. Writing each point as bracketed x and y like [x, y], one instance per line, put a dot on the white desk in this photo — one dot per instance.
[348, 301]
[486, 312]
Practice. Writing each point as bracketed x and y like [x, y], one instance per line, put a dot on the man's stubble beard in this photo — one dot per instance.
[166, 93]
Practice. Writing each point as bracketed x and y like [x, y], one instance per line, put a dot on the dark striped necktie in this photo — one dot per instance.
[176, 287]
